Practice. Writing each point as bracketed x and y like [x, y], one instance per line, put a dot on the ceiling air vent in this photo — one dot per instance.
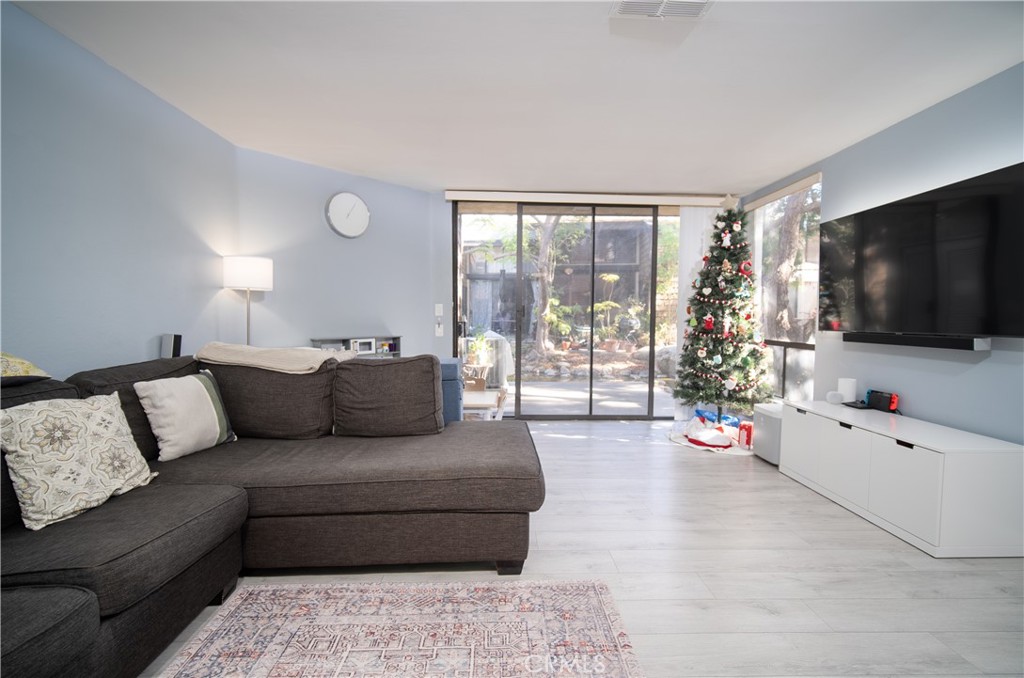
[659, 9]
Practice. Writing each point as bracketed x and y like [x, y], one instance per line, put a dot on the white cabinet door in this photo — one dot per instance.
[845, 463]
[800, 442]
[906, 486]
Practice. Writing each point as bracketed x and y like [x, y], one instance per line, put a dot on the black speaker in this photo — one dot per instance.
[170, 345]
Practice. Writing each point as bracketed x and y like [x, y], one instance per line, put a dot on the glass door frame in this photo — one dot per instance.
[458, 331]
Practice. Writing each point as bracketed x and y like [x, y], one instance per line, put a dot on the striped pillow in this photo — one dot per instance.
[186, 414]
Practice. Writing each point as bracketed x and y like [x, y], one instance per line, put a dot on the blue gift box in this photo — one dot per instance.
[727, 419]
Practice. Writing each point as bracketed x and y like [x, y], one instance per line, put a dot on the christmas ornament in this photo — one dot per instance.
[737, 225]
[721, 283]
[693, 322]
[702, 352]
[726, 326]
[709, 321]
[726, 239]
[729, 384]
[726, 268]
[729, 203]
[717, 360]
[757, 337]
[706, 291]
[689, 312]
[746, 268]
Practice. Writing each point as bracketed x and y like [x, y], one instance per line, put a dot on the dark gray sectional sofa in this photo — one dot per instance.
[102, 594]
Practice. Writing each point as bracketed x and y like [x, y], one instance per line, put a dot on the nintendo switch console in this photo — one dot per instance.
[877, 400]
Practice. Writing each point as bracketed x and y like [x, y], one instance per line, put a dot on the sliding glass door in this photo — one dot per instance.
[555, 366]
[557, 303]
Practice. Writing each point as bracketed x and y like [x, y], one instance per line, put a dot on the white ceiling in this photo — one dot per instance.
[549, 96]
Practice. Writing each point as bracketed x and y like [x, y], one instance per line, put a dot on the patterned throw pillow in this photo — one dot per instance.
[68, 456]
[14, 371]
[186, 414]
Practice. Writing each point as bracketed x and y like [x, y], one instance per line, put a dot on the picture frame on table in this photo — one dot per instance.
[364, 346]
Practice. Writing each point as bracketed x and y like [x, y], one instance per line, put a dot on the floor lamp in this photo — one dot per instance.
[248, 273]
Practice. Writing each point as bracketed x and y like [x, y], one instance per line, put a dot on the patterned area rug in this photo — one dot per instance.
[454, 630]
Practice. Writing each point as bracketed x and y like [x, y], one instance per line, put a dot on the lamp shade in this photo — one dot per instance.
[249, 273]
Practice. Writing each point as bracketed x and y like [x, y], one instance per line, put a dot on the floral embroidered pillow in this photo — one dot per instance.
[68, 456]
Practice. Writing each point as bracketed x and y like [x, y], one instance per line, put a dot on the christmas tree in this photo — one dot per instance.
[723, 360]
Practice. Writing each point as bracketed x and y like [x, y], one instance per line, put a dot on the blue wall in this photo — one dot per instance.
[976, 131]
[382, 283]
[117, 208]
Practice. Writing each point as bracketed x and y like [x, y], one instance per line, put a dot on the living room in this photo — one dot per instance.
[118, 206]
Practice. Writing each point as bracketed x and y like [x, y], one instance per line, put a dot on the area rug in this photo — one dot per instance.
[449, 630]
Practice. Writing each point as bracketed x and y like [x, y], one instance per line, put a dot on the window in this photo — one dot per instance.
[786, 261]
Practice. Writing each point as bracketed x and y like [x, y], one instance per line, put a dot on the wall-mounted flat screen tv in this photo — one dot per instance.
[945, 262]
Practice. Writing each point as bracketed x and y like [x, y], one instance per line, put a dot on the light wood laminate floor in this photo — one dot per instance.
[722, 566]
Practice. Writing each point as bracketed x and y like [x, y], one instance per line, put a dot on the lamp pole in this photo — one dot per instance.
[248, 316]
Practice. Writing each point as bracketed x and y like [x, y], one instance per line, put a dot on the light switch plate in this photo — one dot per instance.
[439, 309]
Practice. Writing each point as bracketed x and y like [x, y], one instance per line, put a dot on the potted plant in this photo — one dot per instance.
[478, 348]
[607, 337]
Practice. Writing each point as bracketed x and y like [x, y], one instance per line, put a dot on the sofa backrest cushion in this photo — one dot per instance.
[265, 404]
[47, 389]
[388, 397]
[121, 380]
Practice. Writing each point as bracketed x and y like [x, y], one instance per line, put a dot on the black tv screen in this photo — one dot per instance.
[946, 262]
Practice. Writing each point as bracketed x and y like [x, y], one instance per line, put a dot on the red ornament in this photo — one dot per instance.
[709, 322]
[746, 268]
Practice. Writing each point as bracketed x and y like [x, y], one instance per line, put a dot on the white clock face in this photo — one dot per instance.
[348, 215]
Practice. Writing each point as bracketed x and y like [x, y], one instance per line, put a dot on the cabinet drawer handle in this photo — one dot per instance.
[901, 443]
[799, 411]
[845, 425]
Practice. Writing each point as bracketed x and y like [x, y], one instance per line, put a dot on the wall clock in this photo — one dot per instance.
[347, 214]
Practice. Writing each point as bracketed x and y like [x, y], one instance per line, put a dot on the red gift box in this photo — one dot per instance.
[747, 434]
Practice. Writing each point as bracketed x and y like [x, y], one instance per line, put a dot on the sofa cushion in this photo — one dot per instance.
[130, 546]
[121, 380]
[265, 404]
[68, 456]
[10, 512]
[185, 413]
[48, 389]
[44, 628]
[470, 466]
[388, 397]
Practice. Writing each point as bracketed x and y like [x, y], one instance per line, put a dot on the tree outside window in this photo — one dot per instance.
[787, 254]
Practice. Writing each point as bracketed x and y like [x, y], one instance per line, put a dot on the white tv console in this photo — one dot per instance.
[950, 493]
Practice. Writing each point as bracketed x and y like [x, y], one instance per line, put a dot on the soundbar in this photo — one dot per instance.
[924, 340]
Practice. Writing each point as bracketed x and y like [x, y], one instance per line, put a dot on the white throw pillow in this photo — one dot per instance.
[68, 456]
[186, 414]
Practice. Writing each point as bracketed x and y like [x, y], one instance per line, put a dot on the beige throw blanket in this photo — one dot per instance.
[298, 360]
